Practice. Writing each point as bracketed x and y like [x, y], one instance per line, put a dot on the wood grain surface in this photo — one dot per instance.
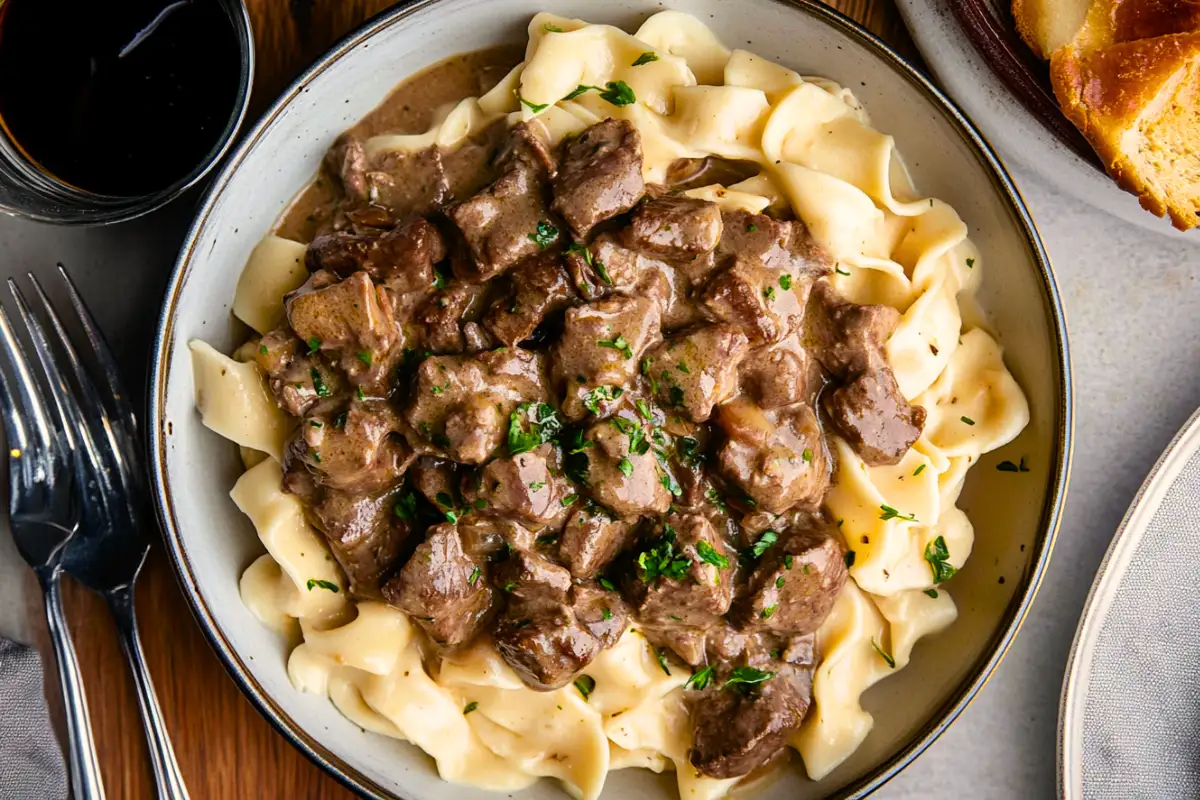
[226, 750]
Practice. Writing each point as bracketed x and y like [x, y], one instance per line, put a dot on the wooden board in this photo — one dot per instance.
[226, 750]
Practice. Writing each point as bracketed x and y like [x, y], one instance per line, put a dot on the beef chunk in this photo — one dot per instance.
[621, 479]
[607, 266]
[437, 479]
[676, 228]
[352, 317]
[685, 575]
[591, 540]
[299, 380]
[461, 404]
[409, 183]
[752, 296]
[487, 537]
[875, 418]
[847, 337]
[526, 577]
[693, 372]
[366, 537]
[357, 449]
[401, 259]
[794, 584]
[781, 374]
[599, 175]
[539, 286]
[784, 247]
[443, 589]
[738, 728]
[600, 348]
[685, 642]
[544, 643]
[526, 145]
[501, 223]
[602, 612]
[529, 486]
[347, 160]
[443, 317]
[777, 458]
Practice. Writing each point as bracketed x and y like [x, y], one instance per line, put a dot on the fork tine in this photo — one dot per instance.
[66, 412]
[25, 422]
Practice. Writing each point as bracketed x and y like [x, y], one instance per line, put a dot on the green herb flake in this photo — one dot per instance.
[746, 676]
[700, 680]
[807, 455]
[661, 654]
[709, 555]
[769, 611]
[751, 228]
[315, 424]
[607, 585]
[606, 613]
[683, 367]
[474, 579]
[769, 293]
[365, 357]
[471, 706]
[531, 425]
[618, 93]
[785, 282]
[569, 500]
[316, 455]
[849, 559]
[937, 554]
[918, 470]
[1008, 466]
[645, 58]
[548, 28]
[480, 504]
[767, 539]
[971, 263]
[779, 582]
[788, 561]
[317, 583]
[314, 344]
[931, 593]
[967, 420]
[586, 684]
[891, 662]
[318, 382]
[537, 486]
[600, 395]
[662, 559]
[406, 507]
[545, 235]
[619, 344]
[838, 269]
[262, 349]
[536, 108]
[891, 513]
[643, 408]
[626, 467]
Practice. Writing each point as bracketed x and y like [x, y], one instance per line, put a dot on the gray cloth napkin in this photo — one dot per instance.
[1141, 731]
[31, 763]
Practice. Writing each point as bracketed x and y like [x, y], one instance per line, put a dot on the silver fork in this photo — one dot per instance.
[44, 514]
[110, 547]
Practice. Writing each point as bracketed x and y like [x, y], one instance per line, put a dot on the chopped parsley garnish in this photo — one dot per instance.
[316, 455]
[769, 292]
[551, 28]
[606, 614]
[607, 585]
[849, 559]
[548, 539]
[785, 282]
[891, 662]
[601, 394]
[841, 271]
[406, 507]
[891, 513]
[340, 420]
[626, 467]
[586, 684]
[569, 500]
[618, 93]
[918, 470]
[578, 90]
[709, 555]
[481, 504]
[591, 261]
[444, 500]
[319, 383]
[314, 583]
[1008, 466]
[262, 349]
[471, 706]
[700, 680]
[937, 554]
[779, 582]
[543, 425]
[644, 409]
[618, 344]
[714, 497]
[769, 611]
[807, 455]
[967, 420]
[361, 394]
[971, 263]
[661, 654]
[508, 587]
[440, 281]
[751, 228]
[931, 593]
[676, 396]
[647, 367]
[767, 539]
[314, 344]
[683, 367]
[663, 559]
[315, 424]
[534, 107]
[537, 486]
[474, 579]
[669, 483]
[746, 676]
[645, 58]
[439, 389]
[365, 357]
[545, 235]
[788, 561]
[688, 449]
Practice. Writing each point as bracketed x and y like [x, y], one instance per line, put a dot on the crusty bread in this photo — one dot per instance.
[1047, 25]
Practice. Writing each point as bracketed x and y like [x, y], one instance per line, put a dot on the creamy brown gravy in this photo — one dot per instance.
[408, 109]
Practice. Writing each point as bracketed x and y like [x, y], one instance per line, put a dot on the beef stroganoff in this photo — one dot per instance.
[616, 420]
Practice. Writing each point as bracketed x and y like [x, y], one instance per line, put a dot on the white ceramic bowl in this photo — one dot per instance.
[1015, 519]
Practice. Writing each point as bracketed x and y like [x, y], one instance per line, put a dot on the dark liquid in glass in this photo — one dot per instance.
[120, 98]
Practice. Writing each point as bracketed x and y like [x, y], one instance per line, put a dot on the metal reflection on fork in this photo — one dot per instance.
[100, 443]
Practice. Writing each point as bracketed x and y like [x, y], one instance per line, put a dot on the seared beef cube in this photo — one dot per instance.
[294, 377]
[607, 266]
[409, 183]
[724, 643]
[527, 577]
[872, 415]
[506, 222]
[368, 220]
[591, 540]
[366, 537]
[347, 159]
[599, 175]
[687, 643]
[794, 584]
[540, 286]
[600, 348]
[443, 315]
[753, 297]
[676, 228]
[351, 316]
[683, 576]
[738, 728]
[461, 404]
[781, 375]
[526, 145]
[777, 458]
[847, 338]
[358, 449]
[487, 537]
[786, 247]
[628, 482]
[529, 486]
[437, 479]
[446, 591]
[693, 372]
[476, 339]
[401, 259]
[544, 643]
[602, 612]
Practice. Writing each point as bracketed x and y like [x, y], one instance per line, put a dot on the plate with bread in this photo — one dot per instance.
[1101, 98]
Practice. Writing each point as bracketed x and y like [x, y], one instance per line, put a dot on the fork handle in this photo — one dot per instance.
[167, 776]
[86, 781]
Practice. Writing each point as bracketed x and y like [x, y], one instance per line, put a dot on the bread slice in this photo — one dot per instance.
[1047, 25]
[1138, 104]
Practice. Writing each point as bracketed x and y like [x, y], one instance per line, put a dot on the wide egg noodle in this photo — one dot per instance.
[275, 267]
[924, 341]
[685, 36]
[234, 402]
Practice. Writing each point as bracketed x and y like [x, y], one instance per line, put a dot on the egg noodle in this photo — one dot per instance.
[821, 157]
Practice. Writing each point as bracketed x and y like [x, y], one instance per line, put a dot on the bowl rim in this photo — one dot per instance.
[1010, 622]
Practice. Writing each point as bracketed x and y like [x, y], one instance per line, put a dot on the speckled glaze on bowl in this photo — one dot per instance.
[1014, 131]
[193, 469]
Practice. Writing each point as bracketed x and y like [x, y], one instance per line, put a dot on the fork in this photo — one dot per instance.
[110, 547]
[44, 516]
